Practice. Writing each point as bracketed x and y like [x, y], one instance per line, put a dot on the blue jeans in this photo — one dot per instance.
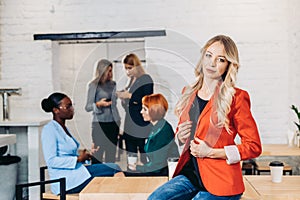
[96, 170]
[180, 188]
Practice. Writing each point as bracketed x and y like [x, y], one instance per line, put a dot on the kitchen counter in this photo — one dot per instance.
[28, 146]
[11, 123]
[266, 189]
[280, 150]
[7, 139]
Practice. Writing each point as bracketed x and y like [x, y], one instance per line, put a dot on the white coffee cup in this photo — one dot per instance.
[276, 168]
[132, 159]
[172, 163]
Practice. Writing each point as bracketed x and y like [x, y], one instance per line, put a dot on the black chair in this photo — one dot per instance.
[248, 166]
[62, 186]
[42, 183]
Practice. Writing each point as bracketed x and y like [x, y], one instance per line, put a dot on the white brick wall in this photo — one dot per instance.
[294, 52]
[266, 32]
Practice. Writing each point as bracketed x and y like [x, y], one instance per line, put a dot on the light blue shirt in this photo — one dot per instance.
[60, 153]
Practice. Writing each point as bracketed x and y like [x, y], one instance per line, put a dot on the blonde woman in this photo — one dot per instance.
[212, 112]
[101, 101]
[136, 130]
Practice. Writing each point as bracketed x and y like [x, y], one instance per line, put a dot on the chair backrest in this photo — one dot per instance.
[48, 195]
[42, 183]
[42, 177]
[62, 186]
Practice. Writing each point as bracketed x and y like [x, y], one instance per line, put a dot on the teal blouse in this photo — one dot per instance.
[159, 147]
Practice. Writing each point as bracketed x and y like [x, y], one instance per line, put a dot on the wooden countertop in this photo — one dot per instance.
[6, 139]
[19, 122]
[136, 188]
[114, 188]
[250, 192]
[279, 150]
[289, 188]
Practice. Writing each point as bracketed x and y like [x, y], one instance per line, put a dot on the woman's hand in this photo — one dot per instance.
[199, 148]
[184, 131]
[123, 94]
[83, 156]
[132, 167]
[103, 103]
[94, 149]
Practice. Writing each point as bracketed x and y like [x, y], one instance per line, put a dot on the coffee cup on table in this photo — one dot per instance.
[276, 168]
[172, 163]
[131, 159]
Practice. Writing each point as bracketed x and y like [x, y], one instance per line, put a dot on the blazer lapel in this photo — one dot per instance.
[63, 134]
[135, 85]
[205, 110]
[212, 132]
[206, 130]
[185, 116]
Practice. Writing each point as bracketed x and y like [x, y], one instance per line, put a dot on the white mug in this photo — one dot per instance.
[132, 158]
[276, 168]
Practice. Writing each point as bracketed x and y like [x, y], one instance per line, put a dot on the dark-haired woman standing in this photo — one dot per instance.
[61, 149]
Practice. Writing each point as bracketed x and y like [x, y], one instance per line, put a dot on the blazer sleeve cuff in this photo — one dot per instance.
[232, 154]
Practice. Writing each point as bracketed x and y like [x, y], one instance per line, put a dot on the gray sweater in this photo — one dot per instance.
[97, 92]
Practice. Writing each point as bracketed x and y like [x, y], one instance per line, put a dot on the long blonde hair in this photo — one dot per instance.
[225, 91]
[100, 70]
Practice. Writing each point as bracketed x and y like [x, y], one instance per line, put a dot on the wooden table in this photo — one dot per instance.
[279, 150]
[289, 188]
[123, 188]
[250, 192]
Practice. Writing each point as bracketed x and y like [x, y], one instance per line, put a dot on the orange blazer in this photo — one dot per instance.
[218, 177]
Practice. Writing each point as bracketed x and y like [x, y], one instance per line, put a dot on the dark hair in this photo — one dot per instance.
[52, 101]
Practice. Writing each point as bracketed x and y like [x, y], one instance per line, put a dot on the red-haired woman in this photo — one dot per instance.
[160, 144]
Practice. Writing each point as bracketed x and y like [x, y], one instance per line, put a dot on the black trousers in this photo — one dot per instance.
[105, 135]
